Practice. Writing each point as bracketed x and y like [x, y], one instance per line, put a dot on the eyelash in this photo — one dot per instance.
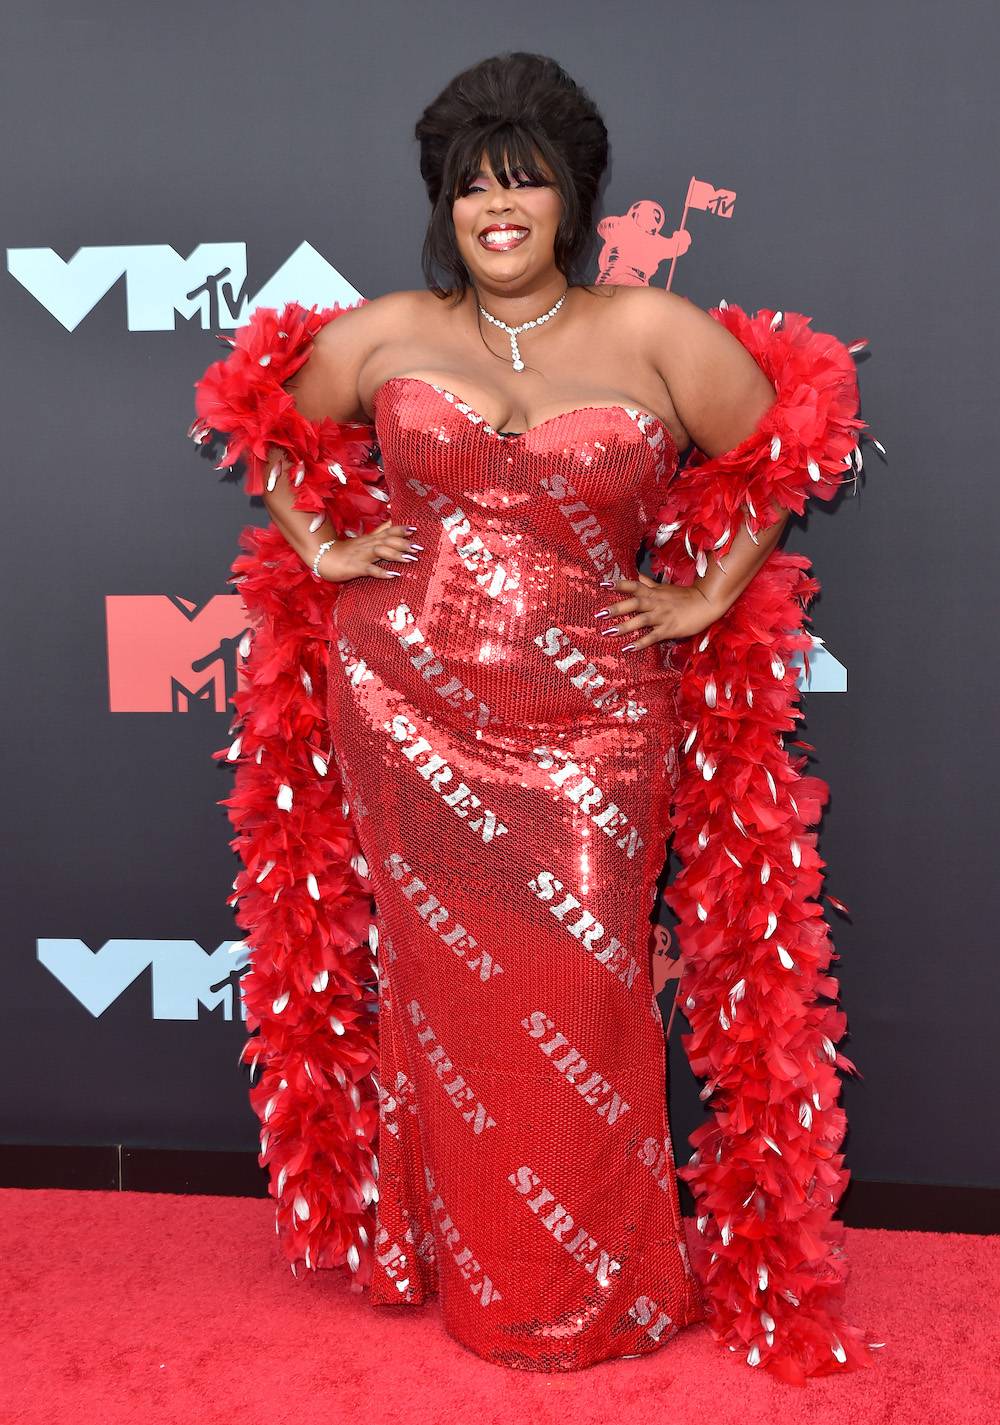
[527, 183]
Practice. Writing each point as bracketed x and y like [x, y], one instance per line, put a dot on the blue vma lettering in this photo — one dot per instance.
[184, 976]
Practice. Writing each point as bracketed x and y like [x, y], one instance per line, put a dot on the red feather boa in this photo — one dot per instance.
[766, 1174]
[301, 897]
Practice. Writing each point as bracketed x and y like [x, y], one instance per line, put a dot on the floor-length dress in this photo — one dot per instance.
[509, 771]
[509, 767]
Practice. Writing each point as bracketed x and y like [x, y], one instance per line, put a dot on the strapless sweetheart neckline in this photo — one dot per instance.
[549, 420]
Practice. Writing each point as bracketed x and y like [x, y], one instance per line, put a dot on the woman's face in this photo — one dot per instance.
[513, 259]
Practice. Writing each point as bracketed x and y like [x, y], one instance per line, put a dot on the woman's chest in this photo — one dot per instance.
[603, 459]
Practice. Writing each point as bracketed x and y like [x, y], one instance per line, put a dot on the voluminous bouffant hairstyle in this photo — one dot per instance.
[514, 107]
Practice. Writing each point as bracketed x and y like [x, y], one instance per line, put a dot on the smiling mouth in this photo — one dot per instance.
[502, 240]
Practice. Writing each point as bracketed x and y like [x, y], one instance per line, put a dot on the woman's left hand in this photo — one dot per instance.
[659, 611]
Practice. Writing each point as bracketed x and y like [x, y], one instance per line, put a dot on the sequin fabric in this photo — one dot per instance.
[508, 770]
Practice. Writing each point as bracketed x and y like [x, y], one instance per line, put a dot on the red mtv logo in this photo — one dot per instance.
[166, 653]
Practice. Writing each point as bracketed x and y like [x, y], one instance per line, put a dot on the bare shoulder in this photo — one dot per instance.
[661, 316]
[661, 323]
[326, 385]
[717, 388]
[679, 335]
[370, 317]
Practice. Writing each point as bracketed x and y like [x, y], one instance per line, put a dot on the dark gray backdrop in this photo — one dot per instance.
[859, 140]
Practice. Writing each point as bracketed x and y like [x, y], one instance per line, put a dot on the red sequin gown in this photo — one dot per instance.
[508, 768]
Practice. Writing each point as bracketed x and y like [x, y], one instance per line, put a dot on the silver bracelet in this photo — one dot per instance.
[327, 544]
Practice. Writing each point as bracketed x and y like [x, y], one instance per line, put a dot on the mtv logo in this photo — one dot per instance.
[168, 654]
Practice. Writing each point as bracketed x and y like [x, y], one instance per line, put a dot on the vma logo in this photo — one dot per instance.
[159, 283]
[168, 654]
[183, 977]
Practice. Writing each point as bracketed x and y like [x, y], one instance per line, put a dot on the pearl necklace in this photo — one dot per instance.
[512, 332]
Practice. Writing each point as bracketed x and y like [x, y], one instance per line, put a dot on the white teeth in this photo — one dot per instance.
[504, 239]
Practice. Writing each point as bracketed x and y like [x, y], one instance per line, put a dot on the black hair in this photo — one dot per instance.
[515, 107]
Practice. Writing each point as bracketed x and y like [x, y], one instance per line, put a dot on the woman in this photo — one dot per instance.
[461, 783]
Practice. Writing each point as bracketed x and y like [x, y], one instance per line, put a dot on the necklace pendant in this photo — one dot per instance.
[512, 332]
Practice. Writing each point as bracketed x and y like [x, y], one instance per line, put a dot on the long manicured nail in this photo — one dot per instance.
[627, 646]
[603, 613]
[407, 556]
[609, 630]
[607, 584]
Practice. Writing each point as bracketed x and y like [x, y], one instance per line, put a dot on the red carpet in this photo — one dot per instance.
[143, 1308]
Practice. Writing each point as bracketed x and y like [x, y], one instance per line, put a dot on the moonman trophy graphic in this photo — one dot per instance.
[635, 243]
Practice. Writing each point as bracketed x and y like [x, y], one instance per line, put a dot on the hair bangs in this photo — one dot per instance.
[508, 147]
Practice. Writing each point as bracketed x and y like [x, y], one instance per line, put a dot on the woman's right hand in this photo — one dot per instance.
[357, 557]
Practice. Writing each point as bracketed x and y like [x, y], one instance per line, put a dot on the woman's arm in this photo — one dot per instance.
[345, 558]
[720, 395]
[724, 580]
[326, 386]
